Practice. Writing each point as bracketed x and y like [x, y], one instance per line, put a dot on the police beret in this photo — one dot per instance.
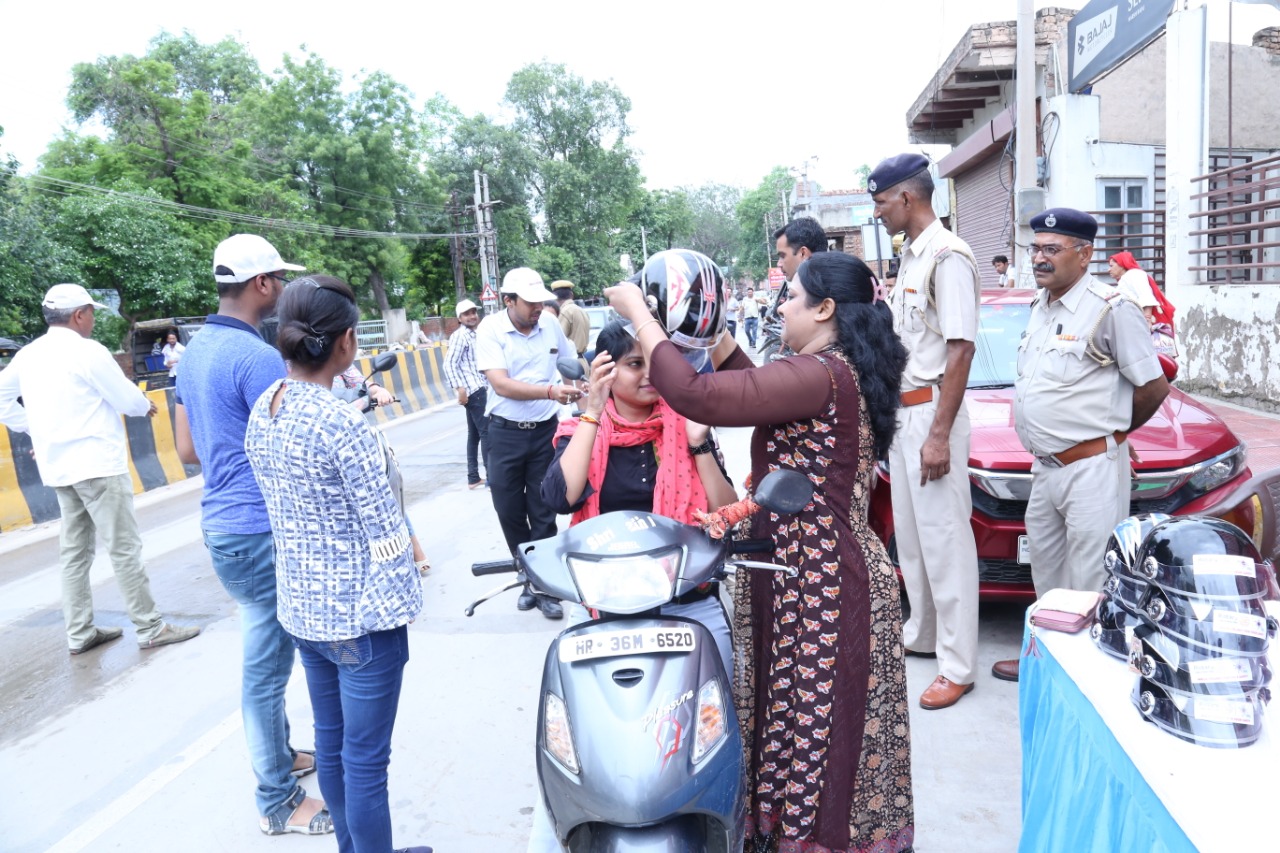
[1066, 220]
[895, 170]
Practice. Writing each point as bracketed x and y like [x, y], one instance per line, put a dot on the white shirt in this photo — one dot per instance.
[1135, 287]
[528, 358]
[74, 394]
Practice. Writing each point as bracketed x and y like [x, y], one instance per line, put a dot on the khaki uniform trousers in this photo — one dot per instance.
[936, 549]
[1071, 513]
[102, 505]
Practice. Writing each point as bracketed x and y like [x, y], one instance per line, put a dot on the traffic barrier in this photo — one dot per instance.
[153, 462]
[417, 379]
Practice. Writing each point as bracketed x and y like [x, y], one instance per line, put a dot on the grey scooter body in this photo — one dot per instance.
[633, 717]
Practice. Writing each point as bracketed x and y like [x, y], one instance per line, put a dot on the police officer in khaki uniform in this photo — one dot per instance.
[1087, 377]
[935, 313]
[573, 320]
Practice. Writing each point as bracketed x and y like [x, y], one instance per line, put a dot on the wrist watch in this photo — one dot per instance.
[706, 447]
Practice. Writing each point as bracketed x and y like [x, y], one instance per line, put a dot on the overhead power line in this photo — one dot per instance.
[57, 186]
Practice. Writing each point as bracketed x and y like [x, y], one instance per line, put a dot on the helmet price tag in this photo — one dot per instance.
[1218, 671]
[1223, 709]
[1245, 624]
[1222, 564]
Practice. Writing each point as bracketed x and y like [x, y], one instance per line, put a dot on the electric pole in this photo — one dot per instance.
[483, 252]
[455, 246]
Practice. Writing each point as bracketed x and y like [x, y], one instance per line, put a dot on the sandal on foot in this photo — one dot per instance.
[277, 823]
[306, 769]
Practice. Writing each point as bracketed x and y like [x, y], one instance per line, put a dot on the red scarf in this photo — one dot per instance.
[678, 490]
[1164, 308]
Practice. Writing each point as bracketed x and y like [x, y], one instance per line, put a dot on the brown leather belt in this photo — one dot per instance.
[1087, 449]
[918, 396]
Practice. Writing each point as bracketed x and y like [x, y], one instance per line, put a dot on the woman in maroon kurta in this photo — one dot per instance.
[820, 685]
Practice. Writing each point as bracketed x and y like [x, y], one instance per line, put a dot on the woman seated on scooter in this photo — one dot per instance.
[630, 451]
[347, 584]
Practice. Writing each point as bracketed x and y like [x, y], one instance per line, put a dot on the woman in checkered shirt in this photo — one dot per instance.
[347, 584]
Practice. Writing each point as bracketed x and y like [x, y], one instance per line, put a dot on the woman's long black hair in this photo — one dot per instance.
[314, 312]
[865, 332]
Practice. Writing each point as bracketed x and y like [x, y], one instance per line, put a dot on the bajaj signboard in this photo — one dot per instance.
[1107, 32]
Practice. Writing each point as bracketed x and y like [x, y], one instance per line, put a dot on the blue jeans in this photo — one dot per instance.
[355, 692]
[752, 324]
[245, 563]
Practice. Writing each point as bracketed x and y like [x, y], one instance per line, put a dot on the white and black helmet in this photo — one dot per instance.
[685, 291]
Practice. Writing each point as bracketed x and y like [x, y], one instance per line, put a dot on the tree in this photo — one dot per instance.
[358, 160]
[583, 178]
[759, 213]
[714, 228]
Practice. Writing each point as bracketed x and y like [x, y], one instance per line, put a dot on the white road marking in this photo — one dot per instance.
[115, 811]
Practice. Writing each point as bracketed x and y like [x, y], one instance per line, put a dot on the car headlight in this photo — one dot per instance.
[556, 733]
[711, 727]
[629, 584]
[1214, 472]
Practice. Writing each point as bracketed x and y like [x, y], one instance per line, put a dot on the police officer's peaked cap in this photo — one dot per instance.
[1067, 221]
[895, 170]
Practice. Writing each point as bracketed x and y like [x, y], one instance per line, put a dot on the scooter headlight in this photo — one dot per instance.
[629, 584]
[712, 726]
[556, 732]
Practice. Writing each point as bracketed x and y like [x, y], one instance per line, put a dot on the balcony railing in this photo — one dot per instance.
[1239, 238]
[1138, 231]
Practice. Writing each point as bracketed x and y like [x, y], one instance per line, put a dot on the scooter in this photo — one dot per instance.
[638, 745]
[771, 347]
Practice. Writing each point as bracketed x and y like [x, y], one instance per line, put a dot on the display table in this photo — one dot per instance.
[1096, 776]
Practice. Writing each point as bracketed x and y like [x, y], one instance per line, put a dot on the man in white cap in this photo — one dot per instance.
[471, 387]
[517, 349]
[225, 368]
[72, 396]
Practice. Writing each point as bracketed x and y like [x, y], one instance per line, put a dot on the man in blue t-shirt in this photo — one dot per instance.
[225, 368]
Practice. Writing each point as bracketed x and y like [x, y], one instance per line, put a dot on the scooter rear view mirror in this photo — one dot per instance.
[784, 492]
[571, 369]
[386, 361]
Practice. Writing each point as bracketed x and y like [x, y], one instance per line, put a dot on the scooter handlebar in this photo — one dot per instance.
[752, 546]
[495, 567]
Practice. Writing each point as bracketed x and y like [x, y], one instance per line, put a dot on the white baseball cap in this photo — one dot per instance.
[64, 297]
[464, 306]
[527, 284]
[240, 257]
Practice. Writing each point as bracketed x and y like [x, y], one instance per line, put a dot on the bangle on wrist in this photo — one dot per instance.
[550, 388]
[588, 419]
[644, 325]
[706, 447]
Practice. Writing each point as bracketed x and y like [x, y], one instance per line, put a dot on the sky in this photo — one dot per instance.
[720, 91]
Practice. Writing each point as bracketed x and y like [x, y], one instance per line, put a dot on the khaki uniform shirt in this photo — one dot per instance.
[923, 328]
[576, 325]
[1064, 395]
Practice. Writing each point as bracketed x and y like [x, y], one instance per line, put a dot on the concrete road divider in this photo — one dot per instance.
[417, 379]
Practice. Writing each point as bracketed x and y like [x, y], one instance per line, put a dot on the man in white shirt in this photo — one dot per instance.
[517, 349]
[72, 396]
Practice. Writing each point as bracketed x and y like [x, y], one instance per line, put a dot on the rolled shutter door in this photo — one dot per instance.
[983, 216]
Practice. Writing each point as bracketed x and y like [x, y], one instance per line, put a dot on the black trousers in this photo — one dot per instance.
[517, 461]
[477, 434]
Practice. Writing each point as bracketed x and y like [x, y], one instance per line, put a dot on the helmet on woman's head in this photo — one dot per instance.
[685, 290]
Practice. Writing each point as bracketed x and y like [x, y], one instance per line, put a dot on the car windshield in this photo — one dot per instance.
[995, 357]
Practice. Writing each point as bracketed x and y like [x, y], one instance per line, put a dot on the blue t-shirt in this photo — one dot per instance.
[224, 371]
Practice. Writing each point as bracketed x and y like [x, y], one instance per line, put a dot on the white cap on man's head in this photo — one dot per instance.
[464, 306]
[65, 297]
[527, 284]
[240, 257]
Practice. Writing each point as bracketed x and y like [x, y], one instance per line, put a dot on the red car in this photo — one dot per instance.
[1190, 459]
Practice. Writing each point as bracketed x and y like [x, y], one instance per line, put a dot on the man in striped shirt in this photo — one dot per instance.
[471, 387]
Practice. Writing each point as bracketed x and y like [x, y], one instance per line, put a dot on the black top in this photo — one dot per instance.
[628, 480]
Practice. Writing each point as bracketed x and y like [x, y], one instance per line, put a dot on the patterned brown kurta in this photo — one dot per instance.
[820, 685]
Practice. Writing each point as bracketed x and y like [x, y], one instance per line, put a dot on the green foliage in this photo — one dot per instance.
[110, 330]
[714, 229]
[763, 201]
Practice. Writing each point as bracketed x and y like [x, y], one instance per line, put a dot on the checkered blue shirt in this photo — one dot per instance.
[344, 561]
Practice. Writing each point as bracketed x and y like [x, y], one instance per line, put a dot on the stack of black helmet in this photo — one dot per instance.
[1187, 611]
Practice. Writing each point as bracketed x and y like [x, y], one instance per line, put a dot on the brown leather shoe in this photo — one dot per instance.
[943, 693]
[1006, 670]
